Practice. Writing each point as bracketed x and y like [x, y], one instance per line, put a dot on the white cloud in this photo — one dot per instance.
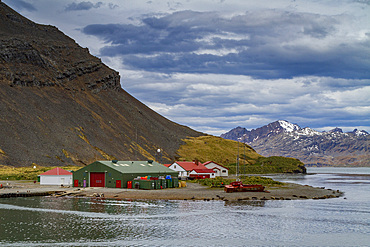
[353, 96]
[221, 102]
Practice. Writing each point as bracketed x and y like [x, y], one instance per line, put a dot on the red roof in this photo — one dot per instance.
[167, 165]
[203, 170]
[190, 165]
[57, 171]
[214, 163]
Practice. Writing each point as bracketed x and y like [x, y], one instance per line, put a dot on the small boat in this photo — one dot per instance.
[238, 186]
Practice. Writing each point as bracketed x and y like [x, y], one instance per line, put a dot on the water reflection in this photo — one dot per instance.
[248, 203]
[48, 221]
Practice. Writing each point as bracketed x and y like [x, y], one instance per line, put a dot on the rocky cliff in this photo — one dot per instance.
[59, 105]
[333, 148]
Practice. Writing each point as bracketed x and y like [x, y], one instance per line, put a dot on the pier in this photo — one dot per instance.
[26, 194]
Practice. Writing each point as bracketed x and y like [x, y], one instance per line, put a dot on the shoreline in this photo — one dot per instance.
[193, 191]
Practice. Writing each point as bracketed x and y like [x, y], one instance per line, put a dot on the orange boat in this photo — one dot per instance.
[238, 186]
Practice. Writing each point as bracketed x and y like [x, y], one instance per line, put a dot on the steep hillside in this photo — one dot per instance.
[333, 148]
[59, 105]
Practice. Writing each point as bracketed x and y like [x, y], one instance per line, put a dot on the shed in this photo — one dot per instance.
[56, 176]
[117, 174]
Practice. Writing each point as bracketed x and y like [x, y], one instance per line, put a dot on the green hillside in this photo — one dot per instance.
[225, 152]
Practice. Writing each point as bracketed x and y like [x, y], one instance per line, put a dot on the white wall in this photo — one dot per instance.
[223, 172]
[176, 167]
[217, 171]
[56, 179]
[212, 175]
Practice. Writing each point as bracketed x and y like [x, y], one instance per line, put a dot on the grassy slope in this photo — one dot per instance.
[224, 152]
[217, 149]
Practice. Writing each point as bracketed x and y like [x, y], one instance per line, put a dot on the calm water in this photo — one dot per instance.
[47, 221]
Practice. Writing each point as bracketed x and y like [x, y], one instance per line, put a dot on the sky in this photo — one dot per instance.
[214, 65]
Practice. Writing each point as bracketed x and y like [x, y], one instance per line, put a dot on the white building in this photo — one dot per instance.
[56, 176]
[220, 170]
[185, 167]
[202, 173]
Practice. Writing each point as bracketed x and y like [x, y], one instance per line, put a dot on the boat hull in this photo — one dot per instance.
[239, 187]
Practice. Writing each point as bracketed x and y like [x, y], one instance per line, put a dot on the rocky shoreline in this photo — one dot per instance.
[192, 191]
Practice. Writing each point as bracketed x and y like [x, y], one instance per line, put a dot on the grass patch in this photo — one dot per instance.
[219, 181]
[276, 164]
[268, 165]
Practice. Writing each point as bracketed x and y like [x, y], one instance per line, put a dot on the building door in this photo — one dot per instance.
[118, 183]
[129, 184]
[75, 183]
[97, 179]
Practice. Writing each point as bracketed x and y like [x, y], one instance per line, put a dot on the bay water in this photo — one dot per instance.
[344, 221]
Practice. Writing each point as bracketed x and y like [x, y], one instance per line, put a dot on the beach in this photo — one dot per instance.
[192, 191]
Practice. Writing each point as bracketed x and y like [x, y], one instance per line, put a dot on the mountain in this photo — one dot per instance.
[59, 105]
[331, 148]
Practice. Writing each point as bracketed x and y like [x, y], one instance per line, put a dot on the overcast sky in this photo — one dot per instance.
[217, 64]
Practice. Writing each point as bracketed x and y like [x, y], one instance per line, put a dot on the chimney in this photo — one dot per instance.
[196, 162]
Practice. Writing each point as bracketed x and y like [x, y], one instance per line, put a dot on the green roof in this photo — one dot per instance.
[137, 166]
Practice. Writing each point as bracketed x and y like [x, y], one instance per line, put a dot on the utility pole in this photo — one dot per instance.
[244, 152]
[159, 156]
[237, 163]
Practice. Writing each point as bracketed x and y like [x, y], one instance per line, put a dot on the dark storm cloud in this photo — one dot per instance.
[82, 6]
[269, 44]
[21, 5]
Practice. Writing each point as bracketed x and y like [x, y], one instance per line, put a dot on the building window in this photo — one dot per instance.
[223, 171]
[174, 166]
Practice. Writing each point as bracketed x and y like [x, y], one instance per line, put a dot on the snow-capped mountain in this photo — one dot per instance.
[281, 138]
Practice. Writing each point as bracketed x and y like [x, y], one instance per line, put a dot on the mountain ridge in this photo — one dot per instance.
[313, 148]
[61, 106]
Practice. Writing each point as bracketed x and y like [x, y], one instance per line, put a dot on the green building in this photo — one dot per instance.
[118, 174]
